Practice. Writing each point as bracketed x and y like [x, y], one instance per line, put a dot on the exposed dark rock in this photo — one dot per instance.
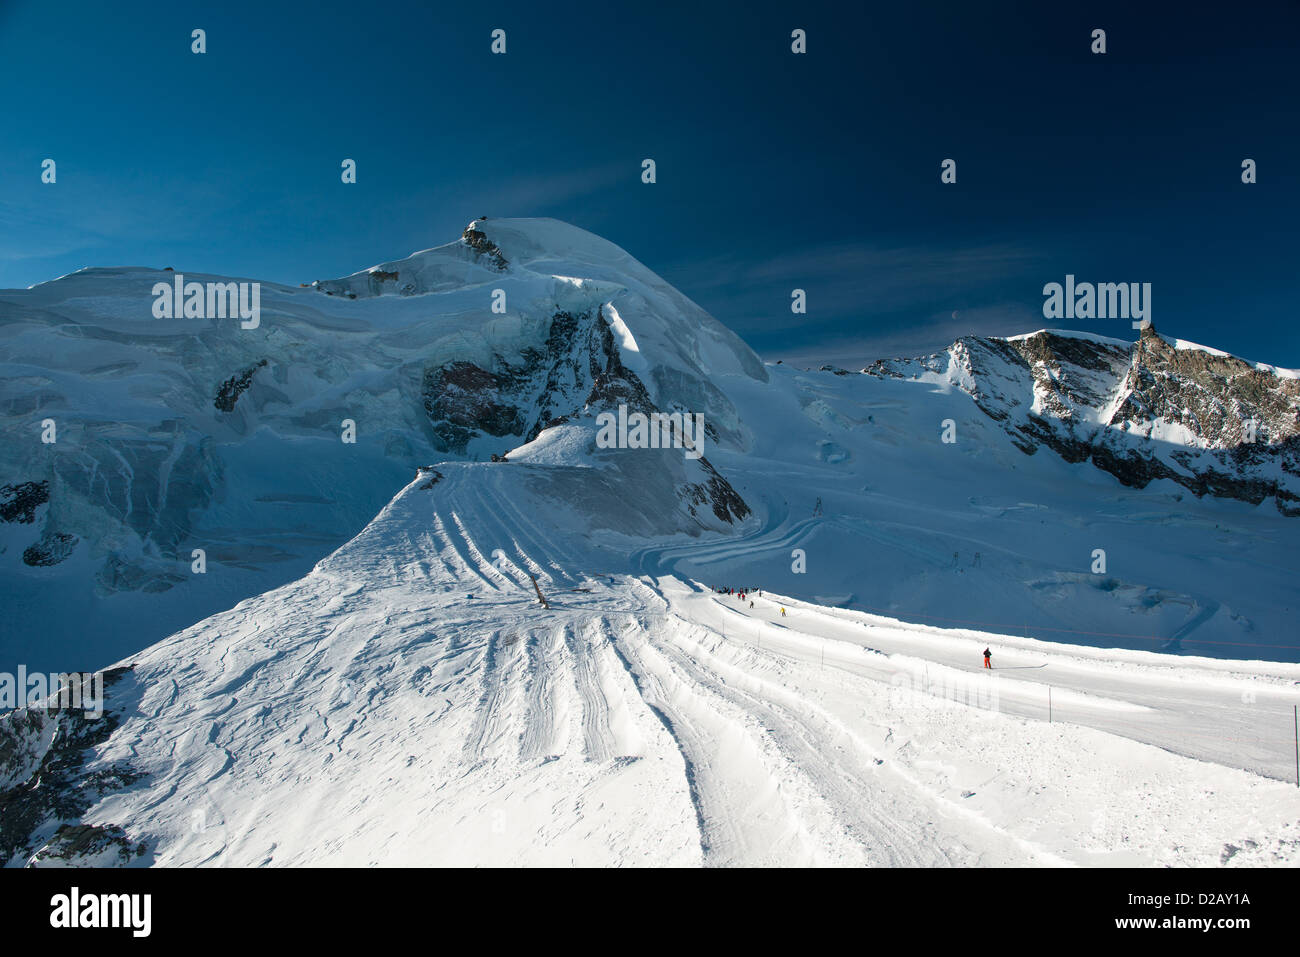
[18, 503]
[1098, 400]
[43, 763]
[613, 384]
[464, 400]
[50, 550]
[478, 241]
[378, 281]
[578, 365]
[89, 842]
[579, 371]
[230, 391]
[727, 504]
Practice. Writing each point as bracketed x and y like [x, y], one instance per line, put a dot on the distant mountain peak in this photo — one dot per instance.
[1157, 408]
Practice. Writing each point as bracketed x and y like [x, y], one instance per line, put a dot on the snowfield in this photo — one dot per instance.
[409, 702]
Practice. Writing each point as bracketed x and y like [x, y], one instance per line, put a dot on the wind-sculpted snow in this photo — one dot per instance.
[410, 702]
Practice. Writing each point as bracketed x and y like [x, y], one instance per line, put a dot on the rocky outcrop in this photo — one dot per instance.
[1144, 411]
[483, 247]
[464, 400]
[718, 494]
[96, 845]
[230, 390]
[50, 550]
[579, 372]
[18, 502]
[47, 782]
[18, 505]
[579, 366]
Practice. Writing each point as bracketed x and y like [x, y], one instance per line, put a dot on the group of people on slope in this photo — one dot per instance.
[742, 593]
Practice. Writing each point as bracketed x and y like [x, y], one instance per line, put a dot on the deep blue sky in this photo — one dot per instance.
[775, 171]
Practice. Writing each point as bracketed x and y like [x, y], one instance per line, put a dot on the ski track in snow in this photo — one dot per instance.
[410, 702]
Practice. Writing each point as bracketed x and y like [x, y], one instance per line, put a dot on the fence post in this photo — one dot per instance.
[540, 597]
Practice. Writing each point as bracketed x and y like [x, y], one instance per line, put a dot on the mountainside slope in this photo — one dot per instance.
[409, 702]
[1151, 524]
[179, 434]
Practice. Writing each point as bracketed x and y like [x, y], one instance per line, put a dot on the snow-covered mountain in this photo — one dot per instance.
[183, 434]
[1153, 409]
[364, 674]
[187, 433]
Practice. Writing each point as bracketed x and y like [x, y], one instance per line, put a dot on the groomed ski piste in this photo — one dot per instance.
[409, 702]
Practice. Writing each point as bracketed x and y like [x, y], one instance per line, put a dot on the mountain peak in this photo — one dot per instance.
[1155, 409]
